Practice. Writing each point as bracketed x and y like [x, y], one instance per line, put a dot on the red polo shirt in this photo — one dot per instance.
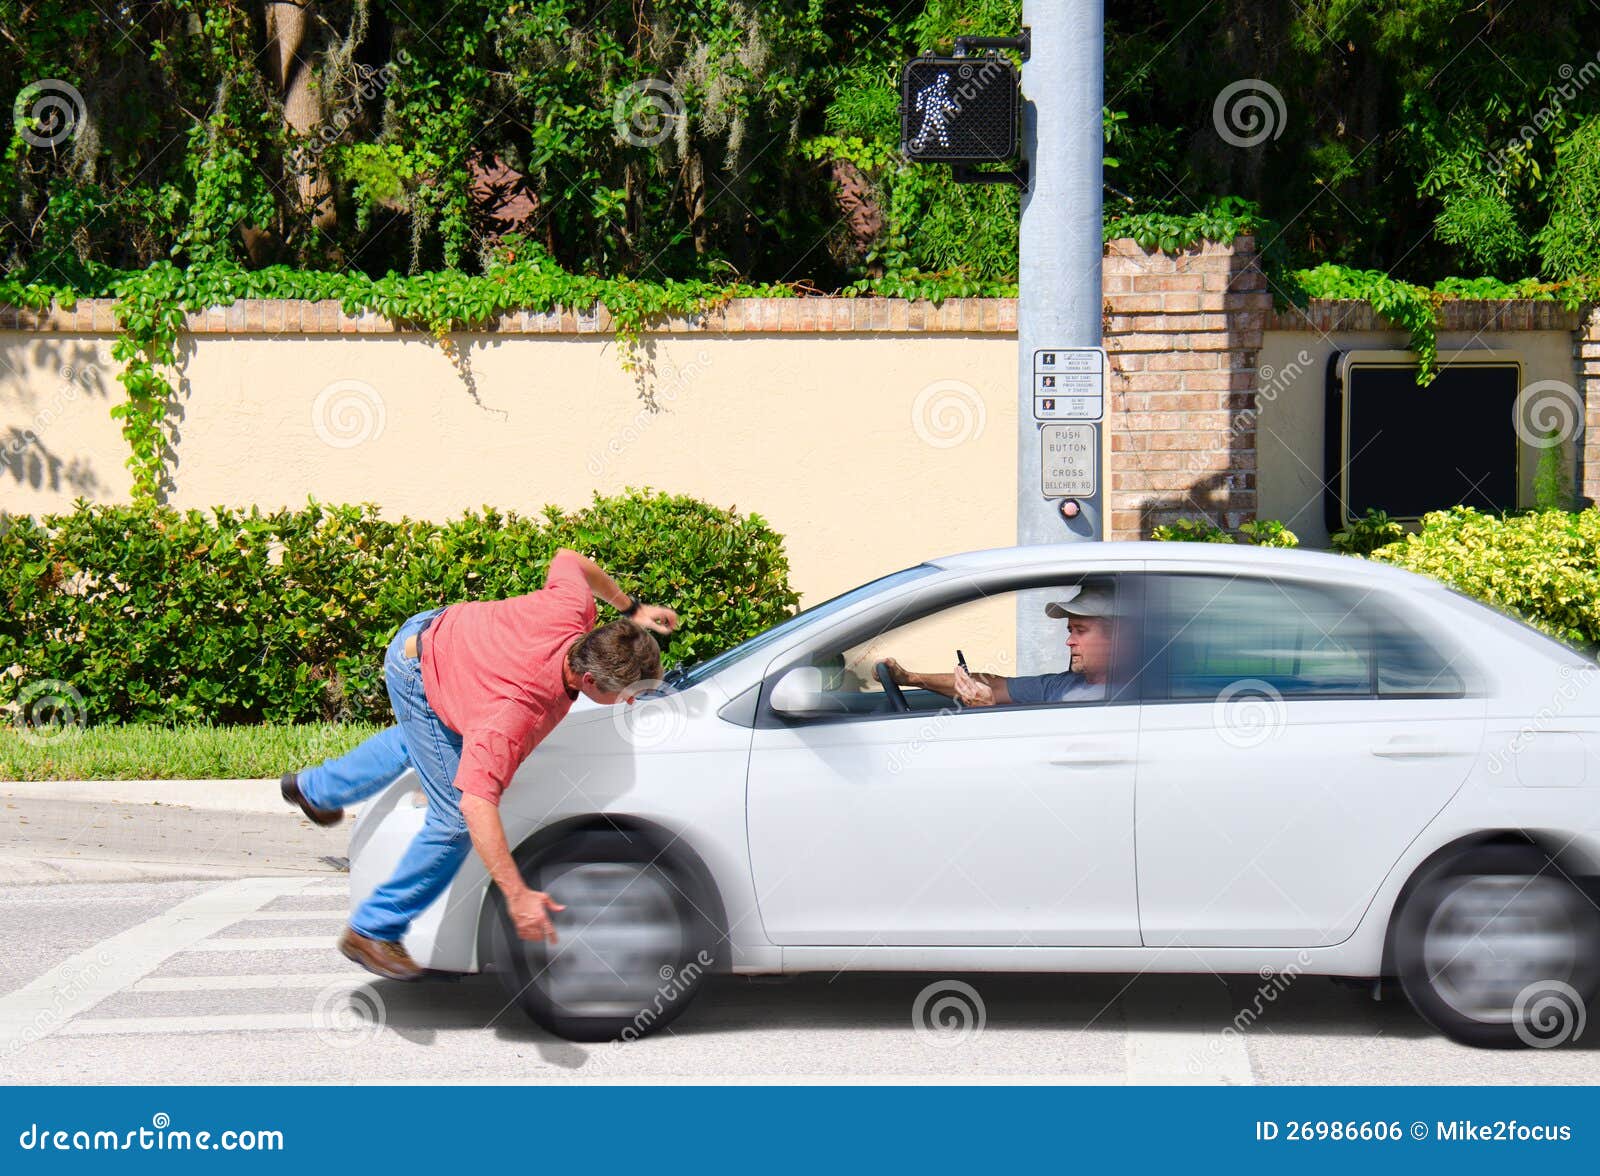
[492, 671]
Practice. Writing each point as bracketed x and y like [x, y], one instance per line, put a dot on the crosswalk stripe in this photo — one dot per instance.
[295, 916]
[261, 943]
[223, 1023]
[240, 983]
[49, 1002]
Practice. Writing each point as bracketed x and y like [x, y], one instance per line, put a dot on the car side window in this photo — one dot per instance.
[1300, 640]
[918, 653]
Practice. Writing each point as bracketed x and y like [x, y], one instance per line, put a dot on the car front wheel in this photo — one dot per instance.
[1499, 949]
[633, 949]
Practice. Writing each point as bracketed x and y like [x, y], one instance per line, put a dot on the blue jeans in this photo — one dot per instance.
[419, 740]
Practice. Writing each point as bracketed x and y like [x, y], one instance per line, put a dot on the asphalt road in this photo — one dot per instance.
[154, 975]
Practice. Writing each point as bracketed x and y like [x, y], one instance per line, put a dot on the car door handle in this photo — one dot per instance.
[1089, 755]
[1408, 747]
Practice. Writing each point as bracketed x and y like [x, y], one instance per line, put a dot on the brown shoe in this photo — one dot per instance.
[378, 956]
[290, 788]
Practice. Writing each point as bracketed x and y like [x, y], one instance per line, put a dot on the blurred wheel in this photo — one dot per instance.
[633, 947]
[1500, 950]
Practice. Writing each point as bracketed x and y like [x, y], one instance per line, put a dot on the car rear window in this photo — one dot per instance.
[1297, 639]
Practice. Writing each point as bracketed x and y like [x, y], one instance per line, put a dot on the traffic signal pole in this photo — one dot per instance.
[1061, 375]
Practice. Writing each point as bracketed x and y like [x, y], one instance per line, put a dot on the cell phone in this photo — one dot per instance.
[961, 660]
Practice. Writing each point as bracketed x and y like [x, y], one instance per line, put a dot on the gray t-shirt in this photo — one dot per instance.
[1063, 687]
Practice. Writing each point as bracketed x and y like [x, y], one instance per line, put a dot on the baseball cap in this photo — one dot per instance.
[1082, 600]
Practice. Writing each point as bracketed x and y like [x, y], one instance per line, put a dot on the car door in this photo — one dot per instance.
[995, 826]
[1296, 737]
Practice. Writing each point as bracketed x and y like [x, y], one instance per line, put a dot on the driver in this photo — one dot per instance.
[1090, 617]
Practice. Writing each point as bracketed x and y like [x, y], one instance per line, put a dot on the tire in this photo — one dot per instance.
[1497, 949]
[633, 948]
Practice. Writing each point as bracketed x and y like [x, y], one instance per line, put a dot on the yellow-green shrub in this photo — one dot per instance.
[1544, 566]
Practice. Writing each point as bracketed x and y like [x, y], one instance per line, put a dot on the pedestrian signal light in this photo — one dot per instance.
[959, 109]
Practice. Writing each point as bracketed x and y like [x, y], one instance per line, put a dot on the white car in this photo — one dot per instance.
[1298, 762]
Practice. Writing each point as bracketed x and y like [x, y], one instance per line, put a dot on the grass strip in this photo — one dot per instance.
[148, 752]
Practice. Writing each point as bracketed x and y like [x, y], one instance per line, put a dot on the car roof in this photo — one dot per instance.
[1231, 557]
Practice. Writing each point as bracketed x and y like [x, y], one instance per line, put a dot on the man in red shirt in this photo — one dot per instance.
[475, 687]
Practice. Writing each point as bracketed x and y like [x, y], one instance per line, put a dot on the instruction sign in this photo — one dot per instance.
[1069, 383]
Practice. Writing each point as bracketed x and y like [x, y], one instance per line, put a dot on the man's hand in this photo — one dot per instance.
[652, 616]
[970, 691]
[529, 909]
[658, 618]
[530, 914]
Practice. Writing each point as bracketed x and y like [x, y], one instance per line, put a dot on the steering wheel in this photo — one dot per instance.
[891, 688]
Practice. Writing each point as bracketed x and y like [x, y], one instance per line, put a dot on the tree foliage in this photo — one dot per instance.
[729, 139]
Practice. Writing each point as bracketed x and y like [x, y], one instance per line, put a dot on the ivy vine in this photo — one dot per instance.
[151, 304]
[1414, 308]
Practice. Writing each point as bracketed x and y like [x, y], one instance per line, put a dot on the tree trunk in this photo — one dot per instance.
[288, 23]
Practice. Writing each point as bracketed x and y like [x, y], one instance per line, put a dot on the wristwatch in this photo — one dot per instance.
[633, 606]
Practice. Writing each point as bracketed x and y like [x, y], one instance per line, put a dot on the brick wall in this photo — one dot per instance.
[1182, 332]
[1586, 342]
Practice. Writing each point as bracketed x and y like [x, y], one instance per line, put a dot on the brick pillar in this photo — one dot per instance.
[1588, 448]
[1182, 331]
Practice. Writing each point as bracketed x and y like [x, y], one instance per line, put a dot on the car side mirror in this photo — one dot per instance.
[798, 693]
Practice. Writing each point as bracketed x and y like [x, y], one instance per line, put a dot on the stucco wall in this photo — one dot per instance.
[866, 453]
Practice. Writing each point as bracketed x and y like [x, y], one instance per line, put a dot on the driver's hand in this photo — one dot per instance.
[901, 675]
[970, 691]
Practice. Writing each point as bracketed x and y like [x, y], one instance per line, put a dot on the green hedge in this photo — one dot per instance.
[1544, 566]
[241, 617]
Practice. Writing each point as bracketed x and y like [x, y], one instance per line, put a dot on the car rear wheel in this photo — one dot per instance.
[633, 947]
[1499, 949]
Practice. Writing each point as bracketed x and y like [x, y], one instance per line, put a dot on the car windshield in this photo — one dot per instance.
[684, 677]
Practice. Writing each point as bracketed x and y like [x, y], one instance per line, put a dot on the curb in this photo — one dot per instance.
[225, 796]
[21, 870]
